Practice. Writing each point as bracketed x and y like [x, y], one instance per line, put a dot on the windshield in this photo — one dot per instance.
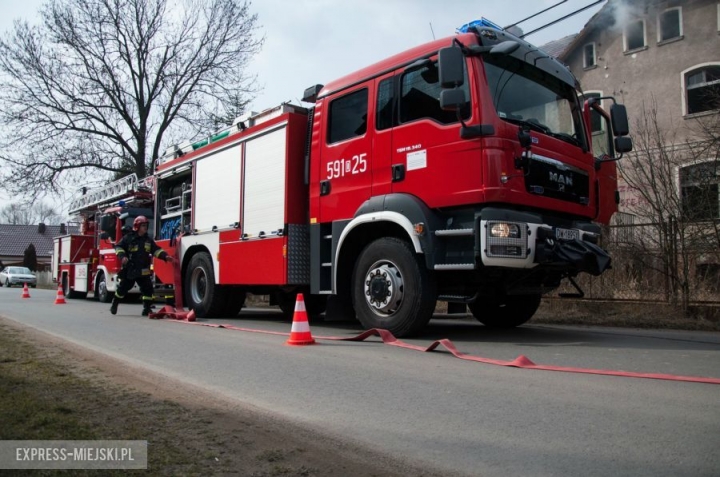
[533, 98]
[20, 270]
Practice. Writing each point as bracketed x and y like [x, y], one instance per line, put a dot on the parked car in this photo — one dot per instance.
[10, 276]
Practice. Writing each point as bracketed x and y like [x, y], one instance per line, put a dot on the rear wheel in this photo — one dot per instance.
[392, 288]
[508, 312]
[201, 292]
[101, 291]
[68, 292]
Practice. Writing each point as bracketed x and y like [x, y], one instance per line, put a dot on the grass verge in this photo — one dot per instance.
[49, 392]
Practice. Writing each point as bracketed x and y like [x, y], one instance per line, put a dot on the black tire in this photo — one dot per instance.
[508, 312]
[235, 300]
[70, 294]
[101, 292]
[388, 268]
[201, 292]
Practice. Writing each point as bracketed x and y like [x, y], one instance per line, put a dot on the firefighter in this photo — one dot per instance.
[134, 251]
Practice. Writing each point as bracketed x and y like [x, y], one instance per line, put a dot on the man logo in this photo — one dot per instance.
[561, 180]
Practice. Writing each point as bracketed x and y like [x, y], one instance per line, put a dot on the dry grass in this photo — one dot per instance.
[51, 391]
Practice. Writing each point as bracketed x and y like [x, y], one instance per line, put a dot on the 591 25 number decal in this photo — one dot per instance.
[346, 167]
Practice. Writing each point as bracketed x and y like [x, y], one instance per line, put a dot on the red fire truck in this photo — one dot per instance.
[464, 170]
[86, 262]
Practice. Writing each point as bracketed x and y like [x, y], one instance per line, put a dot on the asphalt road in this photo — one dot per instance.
[451, 415]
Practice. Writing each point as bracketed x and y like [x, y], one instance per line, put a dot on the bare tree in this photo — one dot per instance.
[676, 189]
[28, 214]
[99, 85]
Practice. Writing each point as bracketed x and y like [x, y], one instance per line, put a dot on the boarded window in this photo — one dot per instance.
[700, 194]
[703, 89]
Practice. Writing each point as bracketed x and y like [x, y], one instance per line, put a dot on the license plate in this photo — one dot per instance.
[567, 234]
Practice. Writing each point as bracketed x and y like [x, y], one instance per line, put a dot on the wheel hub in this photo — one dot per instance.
[198, 286]
[384, 288]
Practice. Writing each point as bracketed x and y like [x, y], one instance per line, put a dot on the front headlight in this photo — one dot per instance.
[504, 230]
[507, 240]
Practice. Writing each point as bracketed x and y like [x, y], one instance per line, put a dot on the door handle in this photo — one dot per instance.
[398, 172]
[324, 187]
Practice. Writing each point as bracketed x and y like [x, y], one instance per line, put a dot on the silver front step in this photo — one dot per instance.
[455, 266]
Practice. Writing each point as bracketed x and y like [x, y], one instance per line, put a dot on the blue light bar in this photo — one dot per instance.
[483, 22]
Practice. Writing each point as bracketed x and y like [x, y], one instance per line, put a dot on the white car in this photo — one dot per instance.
[10, 276]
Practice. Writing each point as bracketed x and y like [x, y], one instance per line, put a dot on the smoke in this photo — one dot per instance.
[621, 12]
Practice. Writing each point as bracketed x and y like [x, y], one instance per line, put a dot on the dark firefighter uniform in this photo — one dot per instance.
[139, 249]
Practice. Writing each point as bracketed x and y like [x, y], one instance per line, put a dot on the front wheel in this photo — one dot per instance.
[508, 312]
[201, 292]
[101, 291]
[392, 288]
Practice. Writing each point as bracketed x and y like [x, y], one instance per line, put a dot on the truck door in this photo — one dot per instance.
[429, 159]
[345, 159]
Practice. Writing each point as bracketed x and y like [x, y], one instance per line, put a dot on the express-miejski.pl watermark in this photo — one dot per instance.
[100, 454]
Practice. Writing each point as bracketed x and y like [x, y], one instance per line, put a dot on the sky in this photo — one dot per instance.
[316, 41]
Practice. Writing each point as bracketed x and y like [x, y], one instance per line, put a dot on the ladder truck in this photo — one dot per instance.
[85, 262]
[463, 170]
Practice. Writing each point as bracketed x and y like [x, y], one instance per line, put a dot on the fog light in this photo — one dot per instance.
[506, 240]
[504, 230]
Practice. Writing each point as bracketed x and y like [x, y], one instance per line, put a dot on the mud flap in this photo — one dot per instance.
[584, 256]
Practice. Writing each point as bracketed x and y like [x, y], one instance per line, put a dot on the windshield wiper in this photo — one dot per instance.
[566, 137]
[545, 130]
[531, 124]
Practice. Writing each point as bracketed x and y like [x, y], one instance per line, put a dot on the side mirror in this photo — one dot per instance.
[619, 118]
[452, 99]
[450, 63]
[623, 144]
[505, 47]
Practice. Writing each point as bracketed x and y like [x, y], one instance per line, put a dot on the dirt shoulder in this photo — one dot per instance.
[53, 389]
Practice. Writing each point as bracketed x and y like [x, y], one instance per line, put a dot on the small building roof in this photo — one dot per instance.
[556, 48]
[14, 239]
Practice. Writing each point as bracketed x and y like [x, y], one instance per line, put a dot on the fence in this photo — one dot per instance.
[44, 279]
[661, 263]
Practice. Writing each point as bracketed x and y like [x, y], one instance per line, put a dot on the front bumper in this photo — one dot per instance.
[512, 239]
[22, 281]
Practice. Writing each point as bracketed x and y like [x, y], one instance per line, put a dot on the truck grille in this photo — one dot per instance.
[552, 178]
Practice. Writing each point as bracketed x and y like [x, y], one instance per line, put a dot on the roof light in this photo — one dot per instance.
[483, 22]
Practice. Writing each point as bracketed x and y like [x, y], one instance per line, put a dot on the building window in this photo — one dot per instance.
[702, 87]
[635, 35]
[670, 24]
[589, 59]
[348, 116]
[700, 192]
[596, 120]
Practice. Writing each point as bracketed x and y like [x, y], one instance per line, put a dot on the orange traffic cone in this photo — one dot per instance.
[26, 292]
[60, 298]
[300, 332]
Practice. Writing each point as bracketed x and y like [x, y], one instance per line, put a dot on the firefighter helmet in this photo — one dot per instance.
[139, 220]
